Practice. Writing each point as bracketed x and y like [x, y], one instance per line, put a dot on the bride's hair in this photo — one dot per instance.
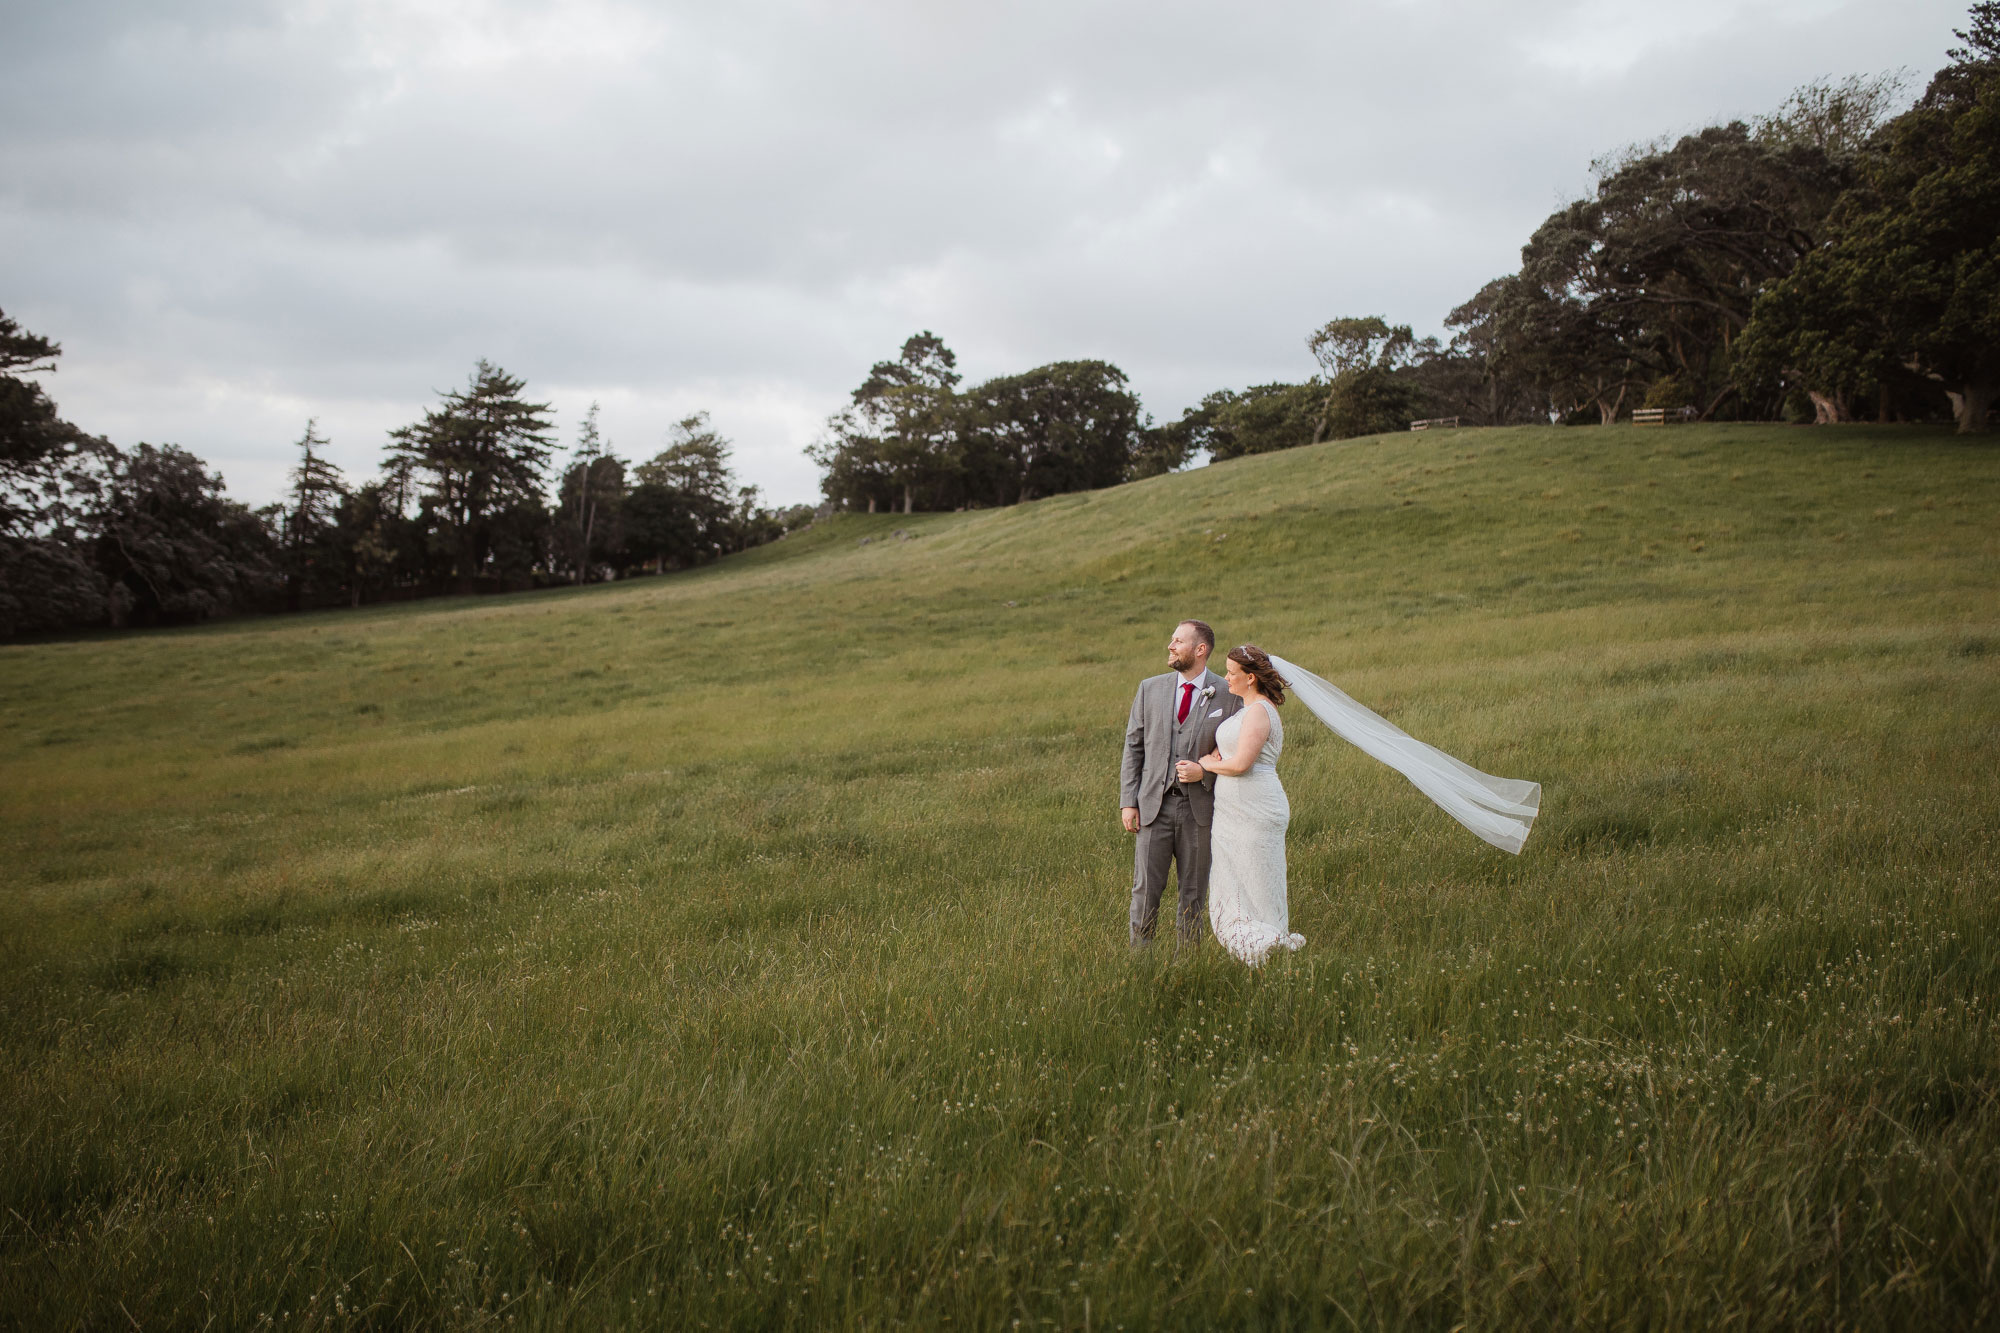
[1257, 664]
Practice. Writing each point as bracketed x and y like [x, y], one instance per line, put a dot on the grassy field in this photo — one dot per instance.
[747, 949]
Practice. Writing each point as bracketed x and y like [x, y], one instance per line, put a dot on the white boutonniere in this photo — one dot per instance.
[1207, 693]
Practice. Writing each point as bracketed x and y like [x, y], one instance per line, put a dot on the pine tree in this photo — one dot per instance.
[592, 487]
[317, 485]
[309, 521]
[483, 449]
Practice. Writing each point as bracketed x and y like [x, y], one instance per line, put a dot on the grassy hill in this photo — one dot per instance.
[746, 948]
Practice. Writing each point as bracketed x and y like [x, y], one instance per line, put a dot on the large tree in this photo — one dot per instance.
[1161, 449]
[1358, 355]
[1579, 353]
[1230, 423]
[1069, 426]
[51, 478]
[1837, 117]
[482, 451]
[1677, 243]
[1369, 401]
[47, 466]
[1908, 281]
[1461, 379]
[310, 549]
[855, 472]
[590, 503]
[47, 584]
[175, 547]
[372, 539]
[683, 508]
[897, 441]
[1644, 286]
[30, 430]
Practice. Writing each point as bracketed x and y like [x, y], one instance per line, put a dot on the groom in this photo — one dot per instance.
[1173, 719]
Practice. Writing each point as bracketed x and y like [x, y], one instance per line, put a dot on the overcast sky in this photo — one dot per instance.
[238, 215]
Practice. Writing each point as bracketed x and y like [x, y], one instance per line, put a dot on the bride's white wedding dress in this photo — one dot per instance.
[1246, 876]
[1246, 871]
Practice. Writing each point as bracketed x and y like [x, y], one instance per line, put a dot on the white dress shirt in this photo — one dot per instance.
[1194, 700]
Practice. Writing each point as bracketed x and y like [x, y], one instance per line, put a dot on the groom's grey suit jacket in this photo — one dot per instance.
[1155, 741]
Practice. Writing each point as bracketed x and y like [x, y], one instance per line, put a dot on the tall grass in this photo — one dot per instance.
[746, 949]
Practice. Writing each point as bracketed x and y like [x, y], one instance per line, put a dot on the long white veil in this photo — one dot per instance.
[1500, 810]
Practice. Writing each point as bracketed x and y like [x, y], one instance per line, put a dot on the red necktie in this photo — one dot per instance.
[1187, 696]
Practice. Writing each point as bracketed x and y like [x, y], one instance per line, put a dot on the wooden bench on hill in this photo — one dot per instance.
[1660, 416]
[1441, 422]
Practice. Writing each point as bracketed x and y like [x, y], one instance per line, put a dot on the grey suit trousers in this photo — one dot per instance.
[1176, 839]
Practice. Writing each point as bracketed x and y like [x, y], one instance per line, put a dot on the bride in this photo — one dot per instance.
[1246, 878]
[1246, 868]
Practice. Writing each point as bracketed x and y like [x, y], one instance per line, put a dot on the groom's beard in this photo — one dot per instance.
[1179, 663]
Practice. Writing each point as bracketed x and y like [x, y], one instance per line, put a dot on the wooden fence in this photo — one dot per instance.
[1660, 416]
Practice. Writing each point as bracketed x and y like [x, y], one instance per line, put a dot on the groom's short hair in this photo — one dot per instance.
[1203, 632]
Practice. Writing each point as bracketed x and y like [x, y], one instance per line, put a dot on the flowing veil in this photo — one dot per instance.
[1500, 810]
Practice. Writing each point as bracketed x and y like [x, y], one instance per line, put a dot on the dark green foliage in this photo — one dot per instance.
[1159, 450]
[1375, 376]
[1908, 285]
[1651, 279]
[1835, 116]
[1654, 275]
[482, 449]
[1359, 342]
[374, 540]
[1977, 60]
[911, 441]
[1825, 259]
[522, 543]
[1070, 426]
[310, 547]
[1549, 344]
[1459, 381]
[89, 535]
[1359, 357]
[29, 428]
[1231, 423]
[897, 443]
[47, 466]
[590, 508]
[47, 584]
[1369, 400]
[1510, 333]
[590, 516]
[686, 508]
[855, 473]
[174, 547]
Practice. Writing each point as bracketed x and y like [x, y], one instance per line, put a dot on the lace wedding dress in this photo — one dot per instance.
[1246, 870]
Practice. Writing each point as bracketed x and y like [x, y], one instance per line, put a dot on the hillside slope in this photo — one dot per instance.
[747, 946]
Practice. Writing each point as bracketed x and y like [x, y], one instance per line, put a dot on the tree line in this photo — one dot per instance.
[1832, 260]
[1829, 260]
[92, 534]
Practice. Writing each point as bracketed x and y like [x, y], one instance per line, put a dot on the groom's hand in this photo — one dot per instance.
[1129, 815]
[1189, 771]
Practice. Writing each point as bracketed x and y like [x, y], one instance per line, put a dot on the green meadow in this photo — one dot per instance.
[746, 948]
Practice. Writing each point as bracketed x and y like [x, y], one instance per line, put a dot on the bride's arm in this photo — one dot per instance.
[1250, 738]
